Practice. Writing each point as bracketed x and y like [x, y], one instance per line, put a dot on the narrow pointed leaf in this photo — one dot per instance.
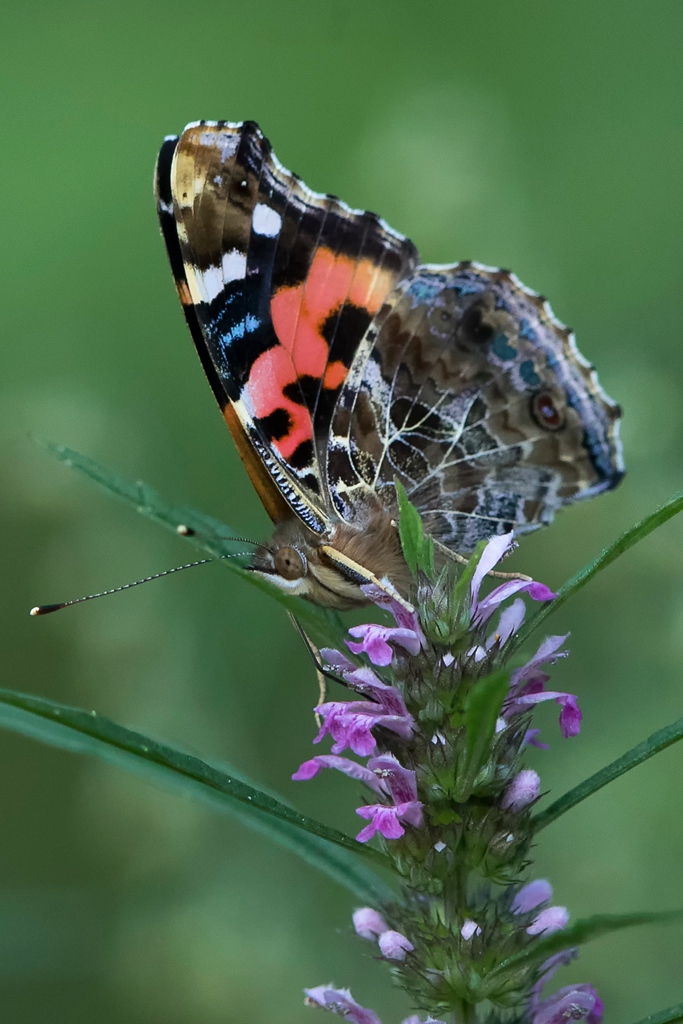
[670, 1016]
[580, 932]
[659, 740]
[409, 529]
[87, 732]
[205, 533]
[622, 544]
[482, 709]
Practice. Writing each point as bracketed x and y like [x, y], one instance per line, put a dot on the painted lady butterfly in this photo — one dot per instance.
[341, 365]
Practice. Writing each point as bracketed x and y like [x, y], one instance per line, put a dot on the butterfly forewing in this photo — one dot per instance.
[282, 283]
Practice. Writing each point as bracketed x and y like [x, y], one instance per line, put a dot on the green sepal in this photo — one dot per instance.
[444, 815]
[461, 590]
[418, 548]
[446, 614]
[221, 786]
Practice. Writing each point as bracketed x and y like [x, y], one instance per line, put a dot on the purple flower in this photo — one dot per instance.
[548, 651]
[527, 688]
[309, 769]
[469, 929]
[552, 919]
[531, 896]
[385, 775]
[375, 642]
[350, 724]
[396, 780]
[394, 946]
[549, 969]
[404, 616]
[511, 618]
[575, 1002]
[531, 740]
[570, 715]
[368, 923]
[340, 1000]
[335, 659]
[522, 791]
[387, 820]
[482, 610]
[363, 680]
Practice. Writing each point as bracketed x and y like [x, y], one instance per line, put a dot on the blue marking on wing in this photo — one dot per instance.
[502, 347]
[528, 373]
[527, 331]
[237, 331]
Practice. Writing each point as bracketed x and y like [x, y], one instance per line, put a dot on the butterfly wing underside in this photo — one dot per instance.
[278, 284]
[469, 391]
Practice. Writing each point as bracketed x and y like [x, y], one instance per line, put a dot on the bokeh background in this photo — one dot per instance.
[541, 136]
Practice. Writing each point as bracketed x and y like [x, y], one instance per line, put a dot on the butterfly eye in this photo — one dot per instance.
[545, 412]
[290, 563]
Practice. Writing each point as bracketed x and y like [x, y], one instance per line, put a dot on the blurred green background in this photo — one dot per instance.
[541, 136]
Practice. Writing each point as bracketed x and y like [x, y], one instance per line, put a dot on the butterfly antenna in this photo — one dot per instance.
[45, 609]
[188, 531]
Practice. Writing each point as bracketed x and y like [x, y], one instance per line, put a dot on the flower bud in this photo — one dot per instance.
[368, 923]
[394, 946]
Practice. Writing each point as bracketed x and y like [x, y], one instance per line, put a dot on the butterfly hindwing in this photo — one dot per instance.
[279, 285]
[468, 390]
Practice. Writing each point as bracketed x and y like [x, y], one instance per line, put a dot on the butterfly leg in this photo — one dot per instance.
[455, 557]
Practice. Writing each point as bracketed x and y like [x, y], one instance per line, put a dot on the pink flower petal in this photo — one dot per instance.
[340, 1001]
[552, 919]
[572, 1003]
[491, 555]
[309, 769]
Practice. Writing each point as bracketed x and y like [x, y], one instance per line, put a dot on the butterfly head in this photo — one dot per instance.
[331, 570]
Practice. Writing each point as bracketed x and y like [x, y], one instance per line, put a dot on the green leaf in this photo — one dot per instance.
[461, 591]
[578, 933]
[207, 534]
[482, 708]
[622, 544]
[87, 732]
[418, 549]
[659, 740]
[674, 1013]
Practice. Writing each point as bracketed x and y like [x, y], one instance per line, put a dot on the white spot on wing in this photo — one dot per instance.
[266, 221]
[210, 282]
[234, 266]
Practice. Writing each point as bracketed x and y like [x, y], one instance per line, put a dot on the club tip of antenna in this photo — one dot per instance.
[45, 609]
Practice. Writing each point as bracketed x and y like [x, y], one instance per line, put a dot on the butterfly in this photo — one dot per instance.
[341, 365]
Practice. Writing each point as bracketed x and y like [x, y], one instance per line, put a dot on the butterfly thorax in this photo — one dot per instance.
[330, 570]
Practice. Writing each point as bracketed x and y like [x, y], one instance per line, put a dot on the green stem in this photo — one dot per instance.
[466, 1014]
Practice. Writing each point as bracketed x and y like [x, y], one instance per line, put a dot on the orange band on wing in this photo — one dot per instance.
[266, 488]
[299, 315]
